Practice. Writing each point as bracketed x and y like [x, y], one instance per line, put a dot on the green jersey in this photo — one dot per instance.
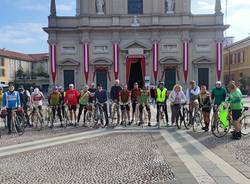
[235, 100]
[218, 95]
[144, 97]
[84, 98]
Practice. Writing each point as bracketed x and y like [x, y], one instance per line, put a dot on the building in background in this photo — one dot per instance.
[24, 69]
[237, 63]
[134, 40]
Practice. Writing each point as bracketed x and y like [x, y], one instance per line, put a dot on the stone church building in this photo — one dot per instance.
[142, 41]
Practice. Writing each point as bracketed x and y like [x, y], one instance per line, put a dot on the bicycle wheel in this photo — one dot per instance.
[114, 116]
[89, 119]
[19, 125]
[218, 130]
[40, 122]
[101, 118]
[186, 119]
[179, 120]
[245, 125]
[197, 121]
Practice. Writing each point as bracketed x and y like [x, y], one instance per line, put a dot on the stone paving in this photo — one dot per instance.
[117, 158]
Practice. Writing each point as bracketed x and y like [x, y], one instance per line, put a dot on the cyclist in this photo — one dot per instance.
[176, 98]
[83, 101]
[205, 105]
[61, 90]
[1, 97]
[71, 99]
[37, 99]
[161, 101]
[135, 93]
[236, 106]
[114, 96]
[92, 91]
[218, 94]
[54, 100]
[101, 97]
[192, 97]
[25, 100]
[10, 101]
[124, 98]
[144, 102]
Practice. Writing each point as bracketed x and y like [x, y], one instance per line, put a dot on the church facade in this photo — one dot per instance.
[142, 41]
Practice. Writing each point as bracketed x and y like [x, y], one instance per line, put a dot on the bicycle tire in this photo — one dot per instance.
[186, 117]
[19, 125]
[89, 119]
[179, 119]
[245, 125]
[218, 130]
[114, 116]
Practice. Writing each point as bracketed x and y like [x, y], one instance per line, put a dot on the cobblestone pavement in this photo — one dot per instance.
[117, 158]
[32, 135]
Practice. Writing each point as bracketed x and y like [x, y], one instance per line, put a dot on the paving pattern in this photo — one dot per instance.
[116, 158]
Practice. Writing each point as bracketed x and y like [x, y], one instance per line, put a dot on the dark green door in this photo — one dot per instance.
[170, 78]
[69, 78]
[203, 77]
[101, 78]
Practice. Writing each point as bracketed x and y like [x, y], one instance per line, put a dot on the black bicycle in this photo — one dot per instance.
[182, 117]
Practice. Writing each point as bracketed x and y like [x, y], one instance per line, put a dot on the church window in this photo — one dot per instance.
[135, 6]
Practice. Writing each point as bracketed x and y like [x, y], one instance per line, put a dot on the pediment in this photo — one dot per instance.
[69, 62]
[203, 60]
[101, 61]
[169, 60]
[135, 44]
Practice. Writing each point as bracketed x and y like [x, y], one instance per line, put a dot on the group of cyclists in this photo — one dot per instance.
[78, 102]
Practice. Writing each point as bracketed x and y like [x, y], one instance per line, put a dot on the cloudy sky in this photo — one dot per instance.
[22, 21]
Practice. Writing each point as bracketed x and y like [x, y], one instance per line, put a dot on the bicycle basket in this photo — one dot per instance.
[223, 114]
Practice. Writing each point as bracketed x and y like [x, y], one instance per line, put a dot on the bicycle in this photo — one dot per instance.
[115, 114]
[145, 115]
[219, 129]
[197, 119]
[124, 112]
[17, 122]
[182, 116]
[99, 115]
[89, 116]
[36, 118]
[66, 118]
[162, 118]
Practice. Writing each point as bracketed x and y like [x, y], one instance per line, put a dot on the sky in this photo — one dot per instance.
[21, 21]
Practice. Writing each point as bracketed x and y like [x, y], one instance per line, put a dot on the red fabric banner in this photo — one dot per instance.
[155, 55]
[116, 59]
[185, 60]
[86, 61]
[219, 48]
[53, 62]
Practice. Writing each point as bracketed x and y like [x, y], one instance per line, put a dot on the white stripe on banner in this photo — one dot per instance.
[155, 57]
[86, 57]
[53, 58]
[116, 58]
[219, 56]
[186, 56]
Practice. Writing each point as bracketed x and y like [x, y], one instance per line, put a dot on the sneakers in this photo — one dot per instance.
[236, 135]
[149, 124]
[205, 128]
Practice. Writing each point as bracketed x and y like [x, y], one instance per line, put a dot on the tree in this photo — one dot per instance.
[20, 73]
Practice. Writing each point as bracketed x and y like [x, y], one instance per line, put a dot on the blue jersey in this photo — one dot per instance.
[11, 100]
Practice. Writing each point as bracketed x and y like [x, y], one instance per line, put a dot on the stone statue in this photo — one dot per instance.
[170, 6]
[100, 7]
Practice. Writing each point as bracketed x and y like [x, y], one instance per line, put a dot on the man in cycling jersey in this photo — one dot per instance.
[54, 100]
[71, 99]
[83, 101]
[11, 100]
[144, 102]
[25, 100]
[101, 97]
[161, 101]
[114, 96]
[218, 94]
[37, 99]
[192, 95]
[135, 93]
[124, 98]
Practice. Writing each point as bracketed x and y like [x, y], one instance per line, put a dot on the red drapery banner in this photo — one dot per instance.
[185, 60]
[116, 59]
[53, 61]
[219, 59]
[155, 55]
[133, 59]
[86, 61]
